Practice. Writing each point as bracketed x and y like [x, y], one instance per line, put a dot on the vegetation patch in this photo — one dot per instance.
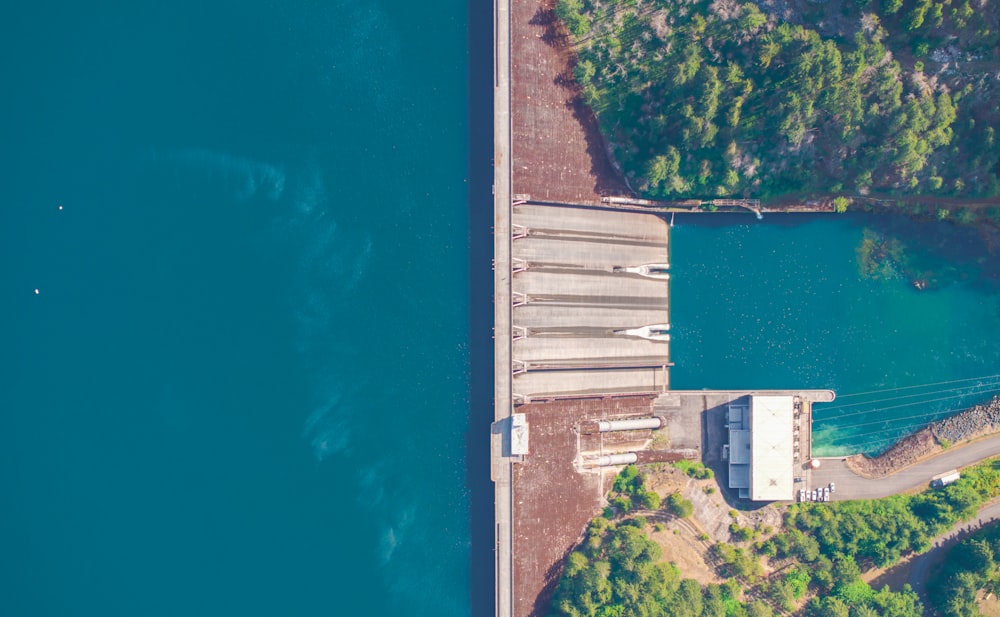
[973, 565]
[629, 492]
[815, 561]
[694, 469]
[721, 98]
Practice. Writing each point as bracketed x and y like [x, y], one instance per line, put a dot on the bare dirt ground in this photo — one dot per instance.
[895, 577]
[558, 152]
[989, 605]
[681, 546]
[712, 517]
[680, 539]
[554, 499]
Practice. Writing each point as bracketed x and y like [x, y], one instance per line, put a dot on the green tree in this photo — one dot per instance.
[661, 173]
[584, 72]
[915, 17]
[678, 506]
[571, 14]
[649, 500]
[751, 19]
[758, 608]
[830, 606]
[627, 480]
[891, 7]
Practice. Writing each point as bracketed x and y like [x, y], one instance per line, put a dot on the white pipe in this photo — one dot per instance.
[617, 459]
[605, 426]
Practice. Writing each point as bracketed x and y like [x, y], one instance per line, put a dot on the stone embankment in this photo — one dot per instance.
[970, 424]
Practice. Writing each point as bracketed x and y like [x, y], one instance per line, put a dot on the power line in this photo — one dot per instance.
[926, 385]
[901, 430]
[922, 415]
[933, 400]
[887, 441]
[929, 393]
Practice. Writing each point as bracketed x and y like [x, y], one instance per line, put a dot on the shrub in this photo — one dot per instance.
[648, 499]
[695, 469]
[622, 503]
[678, 506]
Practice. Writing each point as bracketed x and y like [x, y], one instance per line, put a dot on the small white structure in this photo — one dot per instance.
[518, 434]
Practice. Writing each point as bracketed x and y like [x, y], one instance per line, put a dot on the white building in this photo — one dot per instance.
[762, 447]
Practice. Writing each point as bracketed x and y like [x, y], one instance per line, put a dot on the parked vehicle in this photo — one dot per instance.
[945, 479]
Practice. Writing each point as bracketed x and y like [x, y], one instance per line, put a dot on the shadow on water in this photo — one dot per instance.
[937, 253]
[480, 487]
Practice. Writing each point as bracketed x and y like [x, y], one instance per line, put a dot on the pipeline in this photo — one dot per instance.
[606, 426]
[617, 459]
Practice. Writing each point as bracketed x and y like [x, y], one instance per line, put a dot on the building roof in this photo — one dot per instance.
[772, 466]
[739, 416]
[739, 448]
[739, 476]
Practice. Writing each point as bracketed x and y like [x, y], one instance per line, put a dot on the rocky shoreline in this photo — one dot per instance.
[970, 424]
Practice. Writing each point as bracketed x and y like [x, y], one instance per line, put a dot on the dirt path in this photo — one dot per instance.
[915, 570]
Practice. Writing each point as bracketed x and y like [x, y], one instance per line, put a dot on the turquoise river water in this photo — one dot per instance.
[783, 303]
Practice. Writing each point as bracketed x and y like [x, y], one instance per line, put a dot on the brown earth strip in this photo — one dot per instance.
[558, 151]
[553, 501]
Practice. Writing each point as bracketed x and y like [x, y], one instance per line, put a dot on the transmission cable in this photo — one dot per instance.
[928, 393]
[926, 385]
[933, 400]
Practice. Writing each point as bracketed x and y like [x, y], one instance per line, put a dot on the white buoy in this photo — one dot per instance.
[60, 207]
[36, 292]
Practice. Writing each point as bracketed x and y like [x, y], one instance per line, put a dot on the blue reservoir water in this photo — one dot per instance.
[242, 385]
[783, 303]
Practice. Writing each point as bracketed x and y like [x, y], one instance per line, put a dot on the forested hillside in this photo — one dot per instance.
[970, 567]
[700, 99]
[814, 563]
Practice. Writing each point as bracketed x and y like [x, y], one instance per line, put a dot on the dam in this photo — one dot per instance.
[584, 376]
[582, 328]
[590, 303]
